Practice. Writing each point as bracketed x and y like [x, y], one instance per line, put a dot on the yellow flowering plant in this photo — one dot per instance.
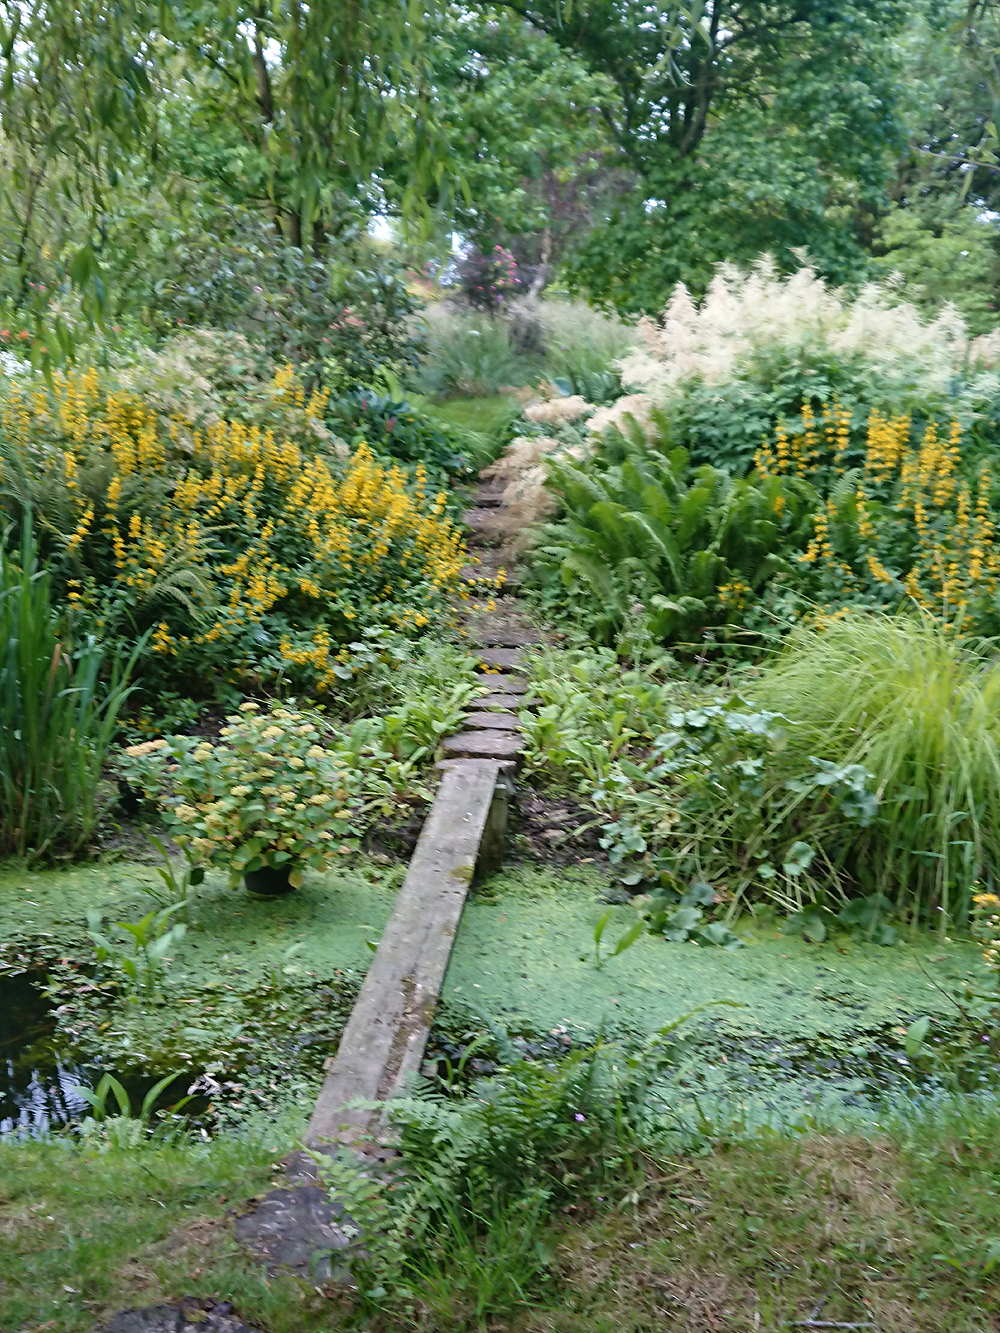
[267, 793]
[915, 521]
[247, 556]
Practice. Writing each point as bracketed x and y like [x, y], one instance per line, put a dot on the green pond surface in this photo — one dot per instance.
[234, 936]
[525, 950]
[819, 1031]
[814, 1022]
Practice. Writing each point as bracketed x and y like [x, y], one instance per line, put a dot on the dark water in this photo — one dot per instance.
[37, 1087]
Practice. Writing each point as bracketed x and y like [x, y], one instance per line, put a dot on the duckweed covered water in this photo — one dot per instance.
[818, 1027]
[815, 1026]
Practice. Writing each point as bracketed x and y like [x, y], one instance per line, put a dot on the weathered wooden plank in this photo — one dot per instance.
[384, 1040]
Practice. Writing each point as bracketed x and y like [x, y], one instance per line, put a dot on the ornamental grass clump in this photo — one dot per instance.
[269, 793]
[920, 710]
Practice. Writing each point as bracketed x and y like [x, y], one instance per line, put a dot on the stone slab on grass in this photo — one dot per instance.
[491, 721]
[483, 745]
[505, 701]
[494, 630]
[295, 1229]
[502, 683]
[383, 1043]
[191, 1316]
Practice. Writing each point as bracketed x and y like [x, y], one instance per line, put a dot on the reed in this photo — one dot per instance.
[58, 713]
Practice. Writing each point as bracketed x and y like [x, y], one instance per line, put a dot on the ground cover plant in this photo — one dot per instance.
[855, 765]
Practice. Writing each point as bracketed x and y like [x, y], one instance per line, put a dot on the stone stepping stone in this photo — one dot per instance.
[487, 528]
[489, 497]
[502, 683]
[496, 634]
[490, 722]
[483, 745]
[507, 659]
[505, 701]
[296, 1229]
[191, 1316]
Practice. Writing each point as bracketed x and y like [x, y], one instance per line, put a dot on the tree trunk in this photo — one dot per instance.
[541, 272]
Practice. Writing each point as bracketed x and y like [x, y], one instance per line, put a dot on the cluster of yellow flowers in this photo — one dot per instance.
[204, 535]
[799, 453]
[915, 523]
[735, 593]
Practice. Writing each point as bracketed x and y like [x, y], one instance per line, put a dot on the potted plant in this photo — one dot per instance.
[264, 802]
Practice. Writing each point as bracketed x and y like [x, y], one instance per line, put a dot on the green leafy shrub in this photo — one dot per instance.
[58, 714]
[267, 794]
[919, 709]
[639, 527]
[695, 800]
[760, 345]
[474, 355]
[396, 431]
[339, 319]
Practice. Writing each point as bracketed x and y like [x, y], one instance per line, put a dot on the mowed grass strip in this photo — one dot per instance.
[898, 1231]
[848, 1230]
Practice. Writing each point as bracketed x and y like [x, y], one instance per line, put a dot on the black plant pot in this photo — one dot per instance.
[269, 881]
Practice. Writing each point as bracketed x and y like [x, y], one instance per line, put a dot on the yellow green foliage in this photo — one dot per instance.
[914, 521]
[244, 553]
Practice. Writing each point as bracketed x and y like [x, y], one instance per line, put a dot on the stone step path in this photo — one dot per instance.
[500, 632]
[383, 1044]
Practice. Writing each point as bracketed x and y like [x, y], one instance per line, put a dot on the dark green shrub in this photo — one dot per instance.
[393, 429]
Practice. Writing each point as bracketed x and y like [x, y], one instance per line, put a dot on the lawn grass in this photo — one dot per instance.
[895, 1229]
[483, 422]
[891, 1232]
[85, 1233]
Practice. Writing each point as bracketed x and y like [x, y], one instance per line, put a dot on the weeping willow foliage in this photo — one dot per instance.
[920, 709]
[57, 716]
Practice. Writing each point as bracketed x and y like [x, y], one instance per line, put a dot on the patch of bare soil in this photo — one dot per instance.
[554, 830]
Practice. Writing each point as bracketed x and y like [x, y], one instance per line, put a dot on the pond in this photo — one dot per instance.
[38, 1090]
